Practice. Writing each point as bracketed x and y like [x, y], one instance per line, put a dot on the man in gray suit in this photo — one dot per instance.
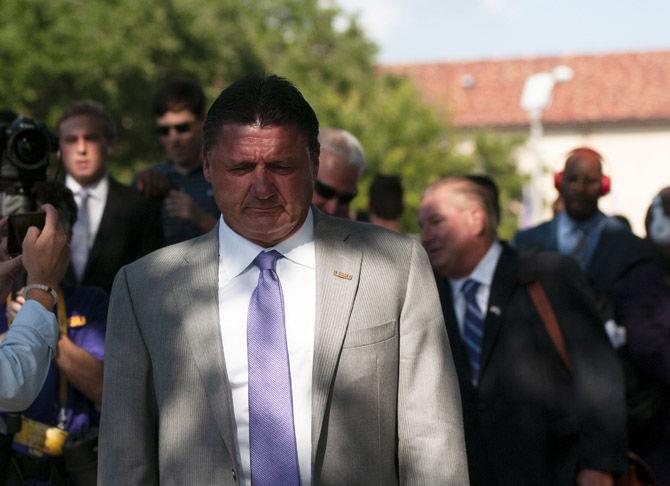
[285, 346]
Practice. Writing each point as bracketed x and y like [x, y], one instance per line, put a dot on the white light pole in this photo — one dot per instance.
[535, 98]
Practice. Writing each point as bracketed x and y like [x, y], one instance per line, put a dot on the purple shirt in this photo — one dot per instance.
[91, 303]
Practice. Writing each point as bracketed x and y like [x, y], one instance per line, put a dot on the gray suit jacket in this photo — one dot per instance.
[386, 404]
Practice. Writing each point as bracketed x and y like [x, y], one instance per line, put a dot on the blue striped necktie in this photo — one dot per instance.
[473, 327]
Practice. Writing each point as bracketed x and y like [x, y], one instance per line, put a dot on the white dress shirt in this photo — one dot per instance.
[483, 273]
[25, 355]
[96, 201]
[238, 277]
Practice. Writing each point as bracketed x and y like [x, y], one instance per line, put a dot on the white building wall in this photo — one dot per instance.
[636, 158]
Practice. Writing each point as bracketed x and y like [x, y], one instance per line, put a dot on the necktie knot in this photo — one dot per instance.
[469, 289]
[267, 260]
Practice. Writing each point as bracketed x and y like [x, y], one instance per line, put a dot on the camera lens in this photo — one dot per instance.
[31, 147]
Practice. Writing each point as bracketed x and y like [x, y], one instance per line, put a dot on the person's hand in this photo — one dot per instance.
[180, 205]
[14, 306]
[152, 183]
[593, 477]
[10, 268]
[45, 253]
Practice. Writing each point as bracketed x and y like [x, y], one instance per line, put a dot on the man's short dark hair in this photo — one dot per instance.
[262, 101]
[180, 94]
[92, 109]
[385, 196]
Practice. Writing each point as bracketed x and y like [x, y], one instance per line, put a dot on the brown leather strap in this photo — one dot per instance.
[543, 306]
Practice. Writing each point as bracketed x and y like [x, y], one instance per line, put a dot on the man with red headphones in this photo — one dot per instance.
[601, 245]
[630, 289]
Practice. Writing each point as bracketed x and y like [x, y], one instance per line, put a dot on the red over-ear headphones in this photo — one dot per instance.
[588, 154]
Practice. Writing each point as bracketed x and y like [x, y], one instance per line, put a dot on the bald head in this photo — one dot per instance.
[581, 185]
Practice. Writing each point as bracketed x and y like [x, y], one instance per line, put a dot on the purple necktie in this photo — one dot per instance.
[274, 458]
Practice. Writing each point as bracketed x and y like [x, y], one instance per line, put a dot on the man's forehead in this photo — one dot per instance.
[253, 133]
[583, 164]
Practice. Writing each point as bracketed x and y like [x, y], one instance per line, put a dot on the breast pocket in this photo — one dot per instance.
[370, 335]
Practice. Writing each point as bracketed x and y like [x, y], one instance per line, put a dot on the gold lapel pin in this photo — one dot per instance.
[344, 275]
[494, 309]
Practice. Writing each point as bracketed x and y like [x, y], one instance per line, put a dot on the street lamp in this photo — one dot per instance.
[535, 98]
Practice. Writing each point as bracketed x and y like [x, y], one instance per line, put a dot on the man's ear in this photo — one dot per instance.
[314, 157]
[478, 220]
[206, 167]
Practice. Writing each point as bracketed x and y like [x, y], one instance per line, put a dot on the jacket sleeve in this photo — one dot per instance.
[129, 423]
[431, 446]
[25, 356]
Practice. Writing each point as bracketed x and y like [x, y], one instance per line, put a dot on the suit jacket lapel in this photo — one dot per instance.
[106, 228]
[455, 339]
[203, 331]
[338, 265]
[503, 285]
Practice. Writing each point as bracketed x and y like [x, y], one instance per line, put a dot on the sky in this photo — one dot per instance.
[414, 31]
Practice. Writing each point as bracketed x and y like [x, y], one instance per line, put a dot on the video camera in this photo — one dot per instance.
[25, 148]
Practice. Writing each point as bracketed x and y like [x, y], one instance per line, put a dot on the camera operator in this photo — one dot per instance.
[27, 349]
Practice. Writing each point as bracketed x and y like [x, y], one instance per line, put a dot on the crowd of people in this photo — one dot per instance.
[224, 320]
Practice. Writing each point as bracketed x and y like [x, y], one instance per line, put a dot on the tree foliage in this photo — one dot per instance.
[118, 51]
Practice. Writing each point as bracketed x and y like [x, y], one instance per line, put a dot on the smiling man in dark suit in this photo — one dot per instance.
[114, 224]
[527, 420]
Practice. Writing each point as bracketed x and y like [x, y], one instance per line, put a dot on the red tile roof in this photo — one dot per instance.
[606, 88]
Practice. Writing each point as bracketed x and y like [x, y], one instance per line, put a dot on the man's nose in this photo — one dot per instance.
[262, 185]
[332, 207]
[81, 146]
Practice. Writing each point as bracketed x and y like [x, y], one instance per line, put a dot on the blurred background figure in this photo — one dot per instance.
[385, 206]
[186, 198]
[526, 420]
[649, 341]
[114, 225]
[341, 164]
[65, 413]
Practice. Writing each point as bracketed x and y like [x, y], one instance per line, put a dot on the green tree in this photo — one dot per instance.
[118, 51]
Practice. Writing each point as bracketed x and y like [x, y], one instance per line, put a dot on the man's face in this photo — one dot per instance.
[336, 184]
[262, 180]
[581, 188]
[83, 147]
[448, 230]
[180, 133]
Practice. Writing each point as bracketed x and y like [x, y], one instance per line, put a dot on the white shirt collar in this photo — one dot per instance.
[483, 272]
[98, 190]
[236, 253]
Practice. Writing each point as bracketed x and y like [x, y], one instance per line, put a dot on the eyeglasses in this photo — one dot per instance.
[179, 128]
[328, 192]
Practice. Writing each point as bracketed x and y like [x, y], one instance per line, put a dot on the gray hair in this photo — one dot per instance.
[475, 193]
[344, 144]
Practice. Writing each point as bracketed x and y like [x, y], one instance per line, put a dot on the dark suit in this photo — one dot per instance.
[616, 252]
[130, 228]
[530, 421]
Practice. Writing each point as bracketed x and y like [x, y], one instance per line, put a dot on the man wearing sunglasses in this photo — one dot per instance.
[341, 165]
[188, 207]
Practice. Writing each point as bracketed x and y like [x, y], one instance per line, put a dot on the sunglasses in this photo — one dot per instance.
[328, 192]
[179, 128]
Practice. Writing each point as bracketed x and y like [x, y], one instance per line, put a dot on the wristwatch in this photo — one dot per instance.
[46, 288]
